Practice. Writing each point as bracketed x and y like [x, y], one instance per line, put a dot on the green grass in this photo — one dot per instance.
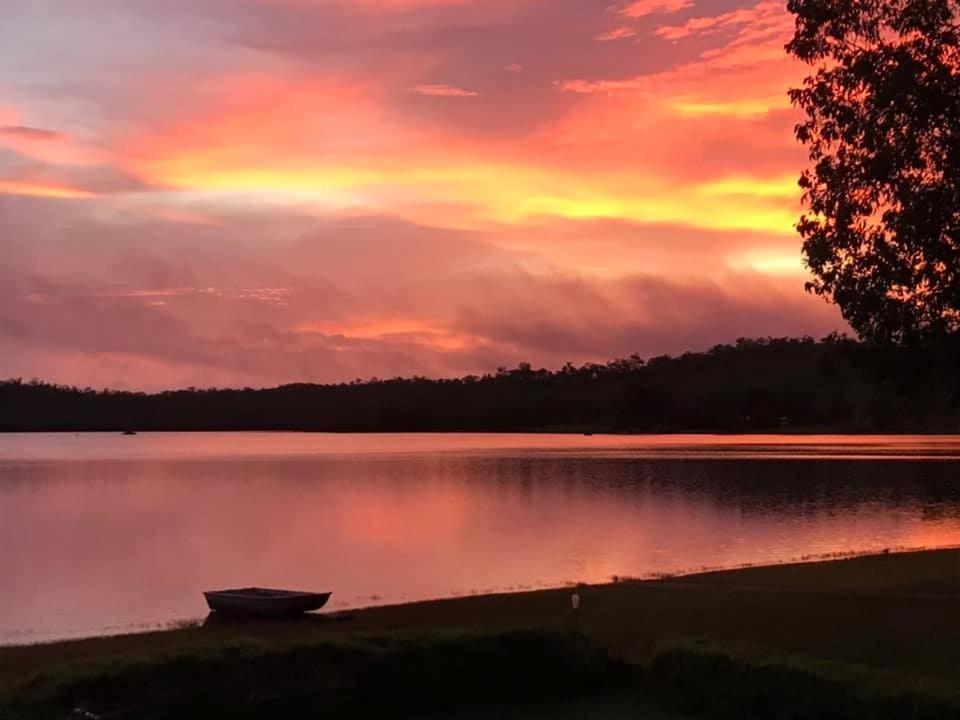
[440, 674]
[619, 706]
[733, 684]
[850, 621]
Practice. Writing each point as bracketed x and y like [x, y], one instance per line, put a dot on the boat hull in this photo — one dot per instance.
[264, 602]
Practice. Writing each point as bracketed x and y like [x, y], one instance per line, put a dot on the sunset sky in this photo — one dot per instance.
[252, 192]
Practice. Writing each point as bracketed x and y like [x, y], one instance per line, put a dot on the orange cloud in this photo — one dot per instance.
[326, 142]
[42, 189]
[642, 8]
[336, 146]
[543, 176]
[413, 330]
[264, 133]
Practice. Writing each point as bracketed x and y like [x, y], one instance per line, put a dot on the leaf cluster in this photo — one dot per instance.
[881, 230]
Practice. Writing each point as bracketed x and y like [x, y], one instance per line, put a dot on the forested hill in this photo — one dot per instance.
[755, 385]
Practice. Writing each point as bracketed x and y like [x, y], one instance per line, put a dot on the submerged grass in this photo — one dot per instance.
[873, 633]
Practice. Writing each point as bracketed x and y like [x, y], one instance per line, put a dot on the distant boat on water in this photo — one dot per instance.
[264, 602]
[128, 432]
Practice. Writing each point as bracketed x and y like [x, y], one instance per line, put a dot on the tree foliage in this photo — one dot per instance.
[882, 228]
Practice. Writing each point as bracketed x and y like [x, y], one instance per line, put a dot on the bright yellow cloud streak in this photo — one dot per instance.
[38, 189]
[701, 213]
[778, 187]
[769, 262]
[744, 108]
[511, 194]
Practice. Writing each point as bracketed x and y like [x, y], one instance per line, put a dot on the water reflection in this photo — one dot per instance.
[131, 537]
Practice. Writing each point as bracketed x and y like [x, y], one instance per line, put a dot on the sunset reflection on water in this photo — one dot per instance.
[101, 533]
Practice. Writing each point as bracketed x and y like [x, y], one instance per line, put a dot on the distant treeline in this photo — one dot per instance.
[836, 384]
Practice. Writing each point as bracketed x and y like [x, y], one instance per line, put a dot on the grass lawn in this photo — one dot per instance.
[604, 707]
[892, 614]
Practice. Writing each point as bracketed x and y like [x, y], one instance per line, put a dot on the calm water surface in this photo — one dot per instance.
[101, 533]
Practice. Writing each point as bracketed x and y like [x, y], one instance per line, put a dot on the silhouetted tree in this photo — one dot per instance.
[882, 231]
[836, 384]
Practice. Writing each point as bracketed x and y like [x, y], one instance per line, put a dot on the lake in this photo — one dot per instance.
[102, 533]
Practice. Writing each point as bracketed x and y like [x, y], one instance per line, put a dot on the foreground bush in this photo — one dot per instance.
[327, 680]
[724, 684]
[403, 677]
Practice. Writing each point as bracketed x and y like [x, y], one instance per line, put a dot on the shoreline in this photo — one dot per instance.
[683, 575]
[874, 628]
[800, 565]
[585, 432]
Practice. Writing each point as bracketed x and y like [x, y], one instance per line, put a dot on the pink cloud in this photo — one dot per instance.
[258, 191]
[29, 133]
[759, 22]
[362, 296]
[444, 91]
[370, 5]
[616, 34]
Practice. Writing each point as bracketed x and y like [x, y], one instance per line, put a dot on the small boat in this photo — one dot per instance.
[264, 602]
[128, 432]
